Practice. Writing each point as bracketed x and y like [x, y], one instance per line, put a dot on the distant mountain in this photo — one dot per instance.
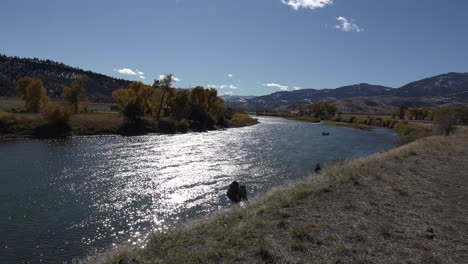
[447, 85]
[443, 90]
[55, 76]
[232, 97]
[306, 96]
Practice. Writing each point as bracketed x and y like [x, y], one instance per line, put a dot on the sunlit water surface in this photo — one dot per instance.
[62, 199]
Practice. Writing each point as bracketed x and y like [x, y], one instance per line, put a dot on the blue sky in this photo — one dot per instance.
[245, 47]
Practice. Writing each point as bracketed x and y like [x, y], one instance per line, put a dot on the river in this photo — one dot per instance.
[64, 199]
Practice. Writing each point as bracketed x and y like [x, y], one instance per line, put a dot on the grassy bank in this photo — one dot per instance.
[350, 125]
[241, 119]
[407, 205]
[407, 132]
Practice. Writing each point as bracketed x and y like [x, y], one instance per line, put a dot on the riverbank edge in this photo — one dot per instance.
[113, 126]
[377, 209]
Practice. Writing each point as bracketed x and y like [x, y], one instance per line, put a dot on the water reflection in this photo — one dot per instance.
[61, 198]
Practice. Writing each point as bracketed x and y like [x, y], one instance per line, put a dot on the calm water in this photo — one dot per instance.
[62, 199]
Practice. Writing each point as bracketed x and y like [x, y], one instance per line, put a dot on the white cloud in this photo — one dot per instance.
[311, 4]
[224, 86]
[281, 87]
[295, 88]
[347, 26]
[228, 93]
[142, 77]
[230, 75]
[174, 79]
[140, 72]
[125, 71]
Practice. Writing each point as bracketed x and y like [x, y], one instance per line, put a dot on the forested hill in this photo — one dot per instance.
[55, 76]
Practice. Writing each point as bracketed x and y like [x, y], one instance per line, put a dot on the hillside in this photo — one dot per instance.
[55, 76]
[443, 90]
[407, 205]
[445, 85]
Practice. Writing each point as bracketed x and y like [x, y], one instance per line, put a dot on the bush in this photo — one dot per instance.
[410, 132]
[58, 114]
[167, 125]
[57, 125]
[199, 118]
[7, 121]
[445, 122]
[183, 125]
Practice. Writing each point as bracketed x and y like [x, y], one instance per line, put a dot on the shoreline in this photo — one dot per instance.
[354, 211]
[102, 124]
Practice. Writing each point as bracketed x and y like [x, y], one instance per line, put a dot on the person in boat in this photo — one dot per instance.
[317, 168]
[237, 193]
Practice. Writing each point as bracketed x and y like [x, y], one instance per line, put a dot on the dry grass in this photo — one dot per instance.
[94, 124]
[349, 125]
[26, 124]
[13, 104]
[408, 205]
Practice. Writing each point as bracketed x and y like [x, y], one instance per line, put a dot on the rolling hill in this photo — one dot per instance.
[443, 90]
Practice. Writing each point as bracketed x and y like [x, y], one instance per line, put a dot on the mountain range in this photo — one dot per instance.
[449, 89]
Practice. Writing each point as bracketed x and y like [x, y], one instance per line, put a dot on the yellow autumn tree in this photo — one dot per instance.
[32, 91]
[72, 95]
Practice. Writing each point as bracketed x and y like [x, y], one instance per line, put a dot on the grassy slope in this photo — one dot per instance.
[408, 205]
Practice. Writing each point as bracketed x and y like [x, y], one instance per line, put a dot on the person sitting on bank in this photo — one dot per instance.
[317, 168]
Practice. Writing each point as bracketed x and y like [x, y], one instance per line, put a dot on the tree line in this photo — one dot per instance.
[32, 91]
[198, 108]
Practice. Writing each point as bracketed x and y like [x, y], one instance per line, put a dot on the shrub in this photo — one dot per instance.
[167, 125]
[199, 118]
[410, 132]
[57, 125]
[445, 122]
[7, 121]
[58, 114]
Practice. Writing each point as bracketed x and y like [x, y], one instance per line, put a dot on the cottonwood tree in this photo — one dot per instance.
[323, 110]
[165, 84]
[32, 91]
[72, 95]
[123, 97]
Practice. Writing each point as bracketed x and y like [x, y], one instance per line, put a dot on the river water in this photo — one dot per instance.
[63, 199]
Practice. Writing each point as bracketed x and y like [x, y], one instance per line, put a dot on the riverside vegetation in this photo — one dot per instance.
[407, 205]
[143, 109]
[407, 122]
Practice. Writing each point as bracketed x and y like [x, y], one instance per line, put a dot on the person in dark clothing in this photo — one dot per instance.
[237, 193]
[317, 168]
